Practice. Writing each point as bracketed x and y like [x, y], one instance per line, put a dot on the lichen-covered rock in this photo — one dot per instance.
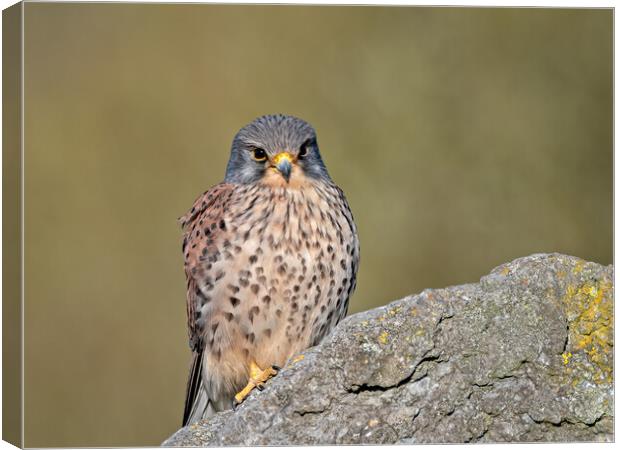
[524, 355]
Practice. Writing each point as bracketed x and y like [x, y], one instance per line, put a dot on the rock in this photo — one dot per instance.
[524, 355]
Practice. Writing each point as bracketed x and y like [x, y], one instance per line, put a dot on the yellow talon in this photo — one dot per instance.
[258, 377]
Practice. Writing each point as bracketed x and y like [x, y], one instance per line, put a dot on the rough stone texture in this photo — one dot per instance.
[524, 355]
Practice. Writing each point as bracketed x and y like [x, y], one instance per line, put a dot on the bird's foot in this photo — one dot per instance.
[257, 380]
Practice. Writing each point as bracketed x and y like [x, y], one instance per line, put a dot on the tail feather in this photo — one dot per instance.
[197, 403]
[202, 407]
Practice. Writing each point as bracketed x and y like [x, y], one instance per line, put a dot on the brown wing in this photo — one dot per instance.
[204, 231]
[353, 248]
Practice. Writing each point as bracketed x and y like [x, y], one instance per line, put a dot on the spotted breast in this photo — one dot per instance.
[270, 269]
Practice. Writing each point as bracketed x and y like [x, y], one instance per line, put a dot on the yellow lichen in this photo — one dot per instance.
[372, 422]
[298, 358]
[393, 312]
[383, 337]
[566, 356]
[578, 267]
[505, 271]
[589, 307]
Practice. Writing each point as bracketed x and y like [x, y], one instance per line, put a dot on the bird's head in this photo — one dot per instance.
[277, 149]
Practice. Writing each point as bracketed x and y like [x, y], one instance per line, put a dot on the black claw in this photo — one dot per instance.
[260, 387]
[277, 368]
[235, 405]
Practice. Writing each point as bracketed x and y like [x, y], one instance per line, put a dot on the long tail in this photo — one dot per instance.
[197, 403]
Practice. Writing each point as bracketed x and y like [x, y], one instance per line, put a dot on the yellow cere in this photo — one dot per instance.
[283, 156]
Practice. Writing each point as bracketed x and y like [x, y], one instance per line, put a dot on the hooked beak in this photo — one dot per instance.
[283, 162]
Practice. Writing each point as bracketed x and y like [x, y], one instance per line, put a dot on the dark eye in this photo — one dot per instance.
[259, 154]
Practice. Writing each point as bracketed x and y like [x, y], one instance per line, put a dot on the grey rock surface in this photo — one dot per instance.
[524, 355]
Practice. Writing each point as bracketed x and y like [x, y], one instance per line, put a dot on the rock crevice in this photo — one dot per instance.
[525, 355]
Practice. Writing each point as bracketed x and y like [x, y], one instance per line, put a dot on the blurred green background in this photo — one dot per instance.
[463, 138]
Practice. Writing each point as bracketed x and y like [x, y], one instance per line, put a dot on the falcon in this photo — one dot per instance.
[271, 256]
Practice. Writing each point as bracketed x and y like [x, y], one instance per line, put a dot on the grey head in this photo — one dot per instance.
[274, 142]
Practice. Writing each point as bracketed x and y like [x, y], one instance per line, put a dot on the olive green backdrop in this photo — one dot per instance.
[463, 138]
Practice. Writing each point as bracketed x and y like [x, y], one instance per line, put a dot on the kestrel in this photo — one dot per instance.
[271, 257]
